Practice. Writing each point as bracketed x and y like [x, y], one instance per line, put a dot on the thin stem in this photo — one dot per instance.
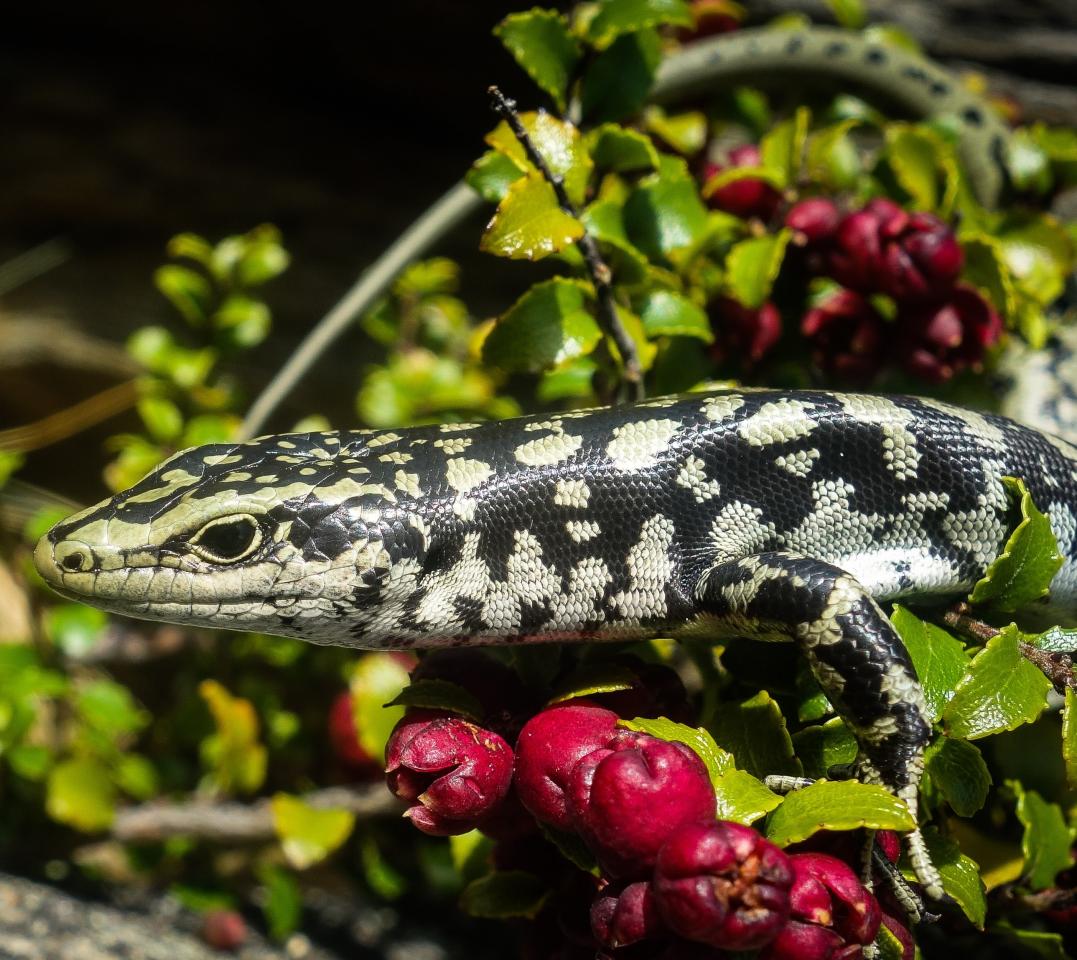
[601, 276]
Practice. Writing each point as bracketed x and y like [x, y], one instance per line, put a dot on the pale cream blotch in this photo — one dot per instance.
[582, 530]
[572, 493]
[693, 476]
[799, 464]
[636, 445]
[778, 422]
[722, 407]
[650, 570]
[546, 451]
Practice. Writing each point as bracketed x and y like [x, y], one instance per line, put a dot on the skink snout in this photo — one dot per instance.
[67, 556]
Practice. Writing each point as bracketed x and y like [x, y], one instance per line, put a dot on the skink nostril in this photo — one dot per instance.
[74, 557]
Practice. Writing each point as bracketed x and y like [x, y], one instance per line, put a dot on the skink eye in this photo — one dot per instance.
[227, 539]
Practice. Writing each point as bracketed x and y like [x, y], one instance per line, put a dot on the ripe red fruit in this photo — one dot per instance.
[746, 333]
[343, 736]
[224, 929]
[831, 912]
[937, 340]
[624, 915]
[746, 198]
[722, 884]
[712, 17]
[549, 746]
[814, 220]
[627, 797]
[847, 336]
[453, 772]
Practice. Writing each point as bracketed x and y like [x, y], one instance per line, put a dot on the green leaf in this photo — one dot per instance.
[619, 79]
[922, 164]
[109, 708]
[617, 17]
[1055, 640]
[188, 291]
[1038, 252]
[308, 834]
[1001, 691]
[235, 757]
[548, 326]
[1028, 164]
[542, 44]
[684, 132]
[753, 265]
[940, 658]
[75, 628]
[243, 321]
[591, 678]
[9, 463]
[136, 776]
[1069, 738]
[262, 259]
[958, 771]
[375, 680]
[604, 220]
[80, 794]
[664, 214]
[437, 694]
[831, 158]
[888, 946]
[190, 246]
[528, 223]
[718, 761]
[381, 877]
[503, 894]
[162, 418]
[986, 269]
[960, 876]
[668, 314]
[1034, 943]
[491, 176]
[29, 762]
[743, 798]
[283, 905]
[782, 148]
[621, 149]
[1046, 840]
[754, 731]
[836, 805]
[559, 144]
[849, 13]
[1023, 572]
[572, 847]
[823, 746]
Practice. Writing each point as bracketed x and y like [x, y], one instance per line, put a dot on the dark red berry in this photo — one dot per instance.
[846, 334]
[814, 220]
[624, 915]
[712, 17]
[224, 929]
[743, 333]
[935, 341]
[343, 736]
[748, 197]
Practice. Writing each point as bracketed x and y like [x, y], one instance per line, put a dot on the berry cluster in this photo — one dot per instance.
[674, 881]
[939, 326]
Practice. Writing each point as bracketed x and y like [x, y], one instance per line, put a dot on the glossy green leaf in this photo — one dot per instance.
[754, 731]
[548, 326]
[542, 44]
[236, 758]
[75, 628]
[188, 291]
[960, 876]
[782, 148]
[619, 79]
[987, 270]
[1046, 840]
[939, 657]
[753, 266]
[668, 314]
[718, 761]
[664, 214]
[492, 174]
[262, 259]
[190, 246]
[590, 678]
[604, 220]
[283, 902]
[621, 149]
[375, 681]
[836, 805]
[1001, 691]
[242, 321]
[922, 164]
[633, 327]
[831, 158]
[823, 746]
[162, 418]
[1055, 640]
[685, 132]
[1028, 164]
[436, 694]
[308, 834]
[80, 793]
[887, 946]
[503, 894]
[109, 708]
[1038, 252]
[957, 769]
[1069, 738]
[529, 224]
[743, 798]
[558, 142]
[849, 13]
[617, 17]
[1023, 572]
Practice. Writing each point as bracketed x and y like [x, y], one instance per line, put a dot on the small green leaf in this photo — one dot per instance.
[548, 326]
[604, 220]
[162, 418]
[1055, 640]
[836, 805]
[503, 894]
[1023, 572]
[375, 680]
[243, 321]
[1032, 943]
[823, 746]
[617, 17]
[753, 265]
[109, 708]
[986, 269]
[263, 259]
[491, 176]
[9, 463]
[888, 946]
[1069, 738]
[960, 876]
[743, 798]
[831, 158]
[591, 678]
[1001, 691]
[668, 314]
[1027, 162]
[621, 149]
[921, 162]
[190, 246]
[236, 759]
[754, 731]
[1038, 252]
[542, 44]
[958, 771]
[380, 875]
[718, 761]
[136, 776]
[684, 132]
[1046, 840]
[81, 794]
[75, 628]
[664, 214]
[189, 292]
[940, 658]
[558, 142]
[782, 148]
[849, 13]
[29, 762]
[619, 79]
[437, 694]
[283, 905]
[528, 223]
[308, 834]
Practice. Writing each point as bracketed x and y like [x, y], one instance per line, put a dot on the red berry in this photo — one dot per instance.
[712, 17]
[344, 737]
[549, 746]
[624, 915]
[628, 797]
[815, 220]
[745, 333]
[453, 773]
[721, 883]
[748, 197]
[847, 336]
[937, 340]
[224, 929]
